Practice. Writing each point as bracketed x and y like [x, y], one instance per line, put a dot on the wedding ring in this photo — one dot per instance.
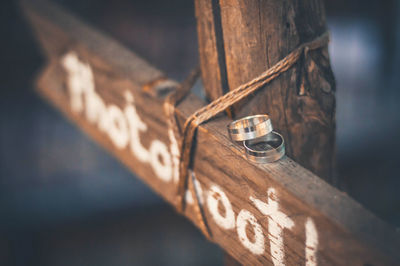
[250, 127]
[266, 149]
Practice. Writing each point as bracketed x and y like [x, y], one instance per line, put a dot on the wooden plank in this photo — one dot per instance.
[276, 213]
[254, 40]
[301, 102]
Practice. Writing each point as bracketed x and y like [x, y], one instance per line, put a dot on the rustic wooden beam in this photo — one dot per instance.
[239, 39]
[276, 213]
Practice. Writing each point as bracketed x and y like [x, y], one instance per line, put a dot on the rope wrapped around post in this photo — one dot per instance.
[217, 106]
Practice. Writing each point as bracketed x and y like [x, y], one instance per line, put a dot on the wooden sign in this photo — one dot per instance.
[278, 213]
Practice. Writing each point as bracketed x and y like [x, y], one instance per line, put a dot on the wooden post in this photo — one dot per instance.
[260, 214]
[239, 39]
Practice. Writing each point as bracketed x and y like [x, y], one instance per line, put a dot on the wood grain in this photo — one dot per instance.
[256, 35]
[212, 55]
[347, 233]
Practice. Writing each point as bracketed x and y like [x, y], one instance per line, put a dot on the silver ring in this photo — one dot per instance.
[250, 127]
[266, 149]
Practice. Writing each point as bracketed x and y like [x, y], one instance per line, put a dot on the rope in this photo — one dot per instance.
[169, 107]
[217, 106]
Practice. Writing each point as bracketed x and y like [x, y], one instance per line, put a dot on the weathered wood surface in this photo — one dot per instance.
[260, 214]
[239, 39]
[212, 54]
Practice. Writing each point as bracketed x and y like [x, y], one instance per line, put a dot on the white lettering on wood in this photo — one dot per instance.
[214, 197]
[245, 218]
[311, 243]
[118, 128]
[161, 160]
[277, 221]
[136, 125]
[123, 126]
[174, 154]
[78, 80]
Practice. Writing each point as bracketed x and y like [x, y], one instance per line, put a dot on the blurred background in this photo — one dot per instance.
[65, 201]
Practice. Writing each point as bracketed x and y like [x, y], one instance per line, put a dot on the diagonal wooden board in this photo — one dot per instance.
[277, 213]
